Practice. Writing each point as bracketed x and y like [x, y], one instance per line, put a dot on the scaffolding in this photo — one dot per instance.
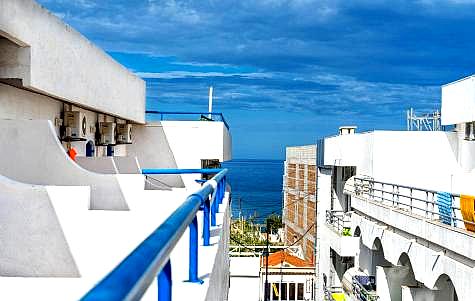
[424, 122]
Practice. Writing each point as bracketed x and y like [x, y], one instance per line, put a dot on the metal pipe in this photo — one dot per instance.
[206, 227]
[174, 171]
[132, 277]
[193, 255]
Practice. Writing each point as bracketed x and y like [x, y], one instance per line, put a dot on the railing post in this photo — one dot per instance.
[193, 256]
[164, 280]
[452, 211]
[427, 204]
[213, 209]
[206, 227]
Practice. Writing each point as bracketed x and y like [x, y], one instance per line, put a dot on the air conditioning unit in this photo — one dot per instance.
[76, 124]
[108, 132]
[469, 131]
[124, 133]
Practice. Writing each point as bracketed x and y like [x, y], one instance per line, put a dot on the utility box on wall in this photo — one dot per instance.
[124, 133]
[75, 123]
[108, 133]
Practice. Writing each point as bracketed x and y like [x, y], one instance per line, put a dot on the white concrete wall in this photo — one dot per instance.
[244, 283]
[350, 150]
[192, 141]
[66, 65]
[31, 153]
[458, 101]
[152, 149]
[20, 104]
[323, 264]
[33, 243]
[346, 246]
[202, 137]
[440, 161]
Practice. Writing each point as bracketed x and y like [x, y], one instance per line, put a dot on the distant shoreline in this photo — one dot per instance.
[247, 160]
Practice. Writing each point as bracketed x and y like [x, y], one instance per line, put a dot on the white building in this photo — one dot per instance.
[389, 207]
[65, 224]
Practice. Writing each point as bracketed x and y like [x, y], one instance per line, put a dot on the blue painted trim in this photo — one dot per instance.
[193, 255]
[164, 281]
[206, 227]
[132, 277]
[174, 171]
[213, 212]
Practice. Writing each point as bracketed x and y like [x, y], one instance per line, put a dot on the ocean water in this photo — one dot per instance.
[256, 187]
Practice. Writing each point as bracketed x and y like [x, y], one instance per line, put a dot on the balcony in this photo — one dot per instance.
[416, 211]
[339, 233]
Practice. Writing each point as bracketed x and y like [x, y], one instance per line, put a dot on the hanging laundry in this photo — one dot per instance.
[467, 206]
[444, 203]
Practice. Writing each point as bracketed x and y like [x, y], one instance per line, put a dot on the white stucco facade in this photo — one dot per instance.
[58, 61]
[402, 241]
[66, 221]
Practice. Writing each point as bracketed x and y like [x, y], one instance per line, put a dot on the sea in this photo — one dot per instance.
[256, 187]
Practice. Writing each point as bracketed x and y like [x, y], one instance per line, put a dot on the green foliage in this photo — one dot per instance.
[246, 232]
[275, 223]
[346, 231]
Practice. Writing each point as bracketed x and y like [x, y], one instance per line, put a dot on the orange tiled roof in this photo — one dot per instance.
[277, 258]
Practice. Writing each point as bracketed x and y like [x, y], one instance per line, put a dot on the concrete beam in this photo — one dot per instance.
[65, 65]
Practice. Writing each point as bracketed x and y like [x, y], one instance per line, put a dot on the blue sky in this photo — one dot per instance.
[285, 72]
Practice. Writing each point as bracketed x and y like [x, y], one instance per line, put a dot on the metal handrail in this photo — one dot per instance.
[410, 199]
[163, 115]
[337, 219]
[361, 293]
[173, 171]
[131, 278]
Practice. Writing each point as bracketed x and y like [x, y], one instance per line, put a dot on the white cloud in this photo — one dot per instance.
[185, 74]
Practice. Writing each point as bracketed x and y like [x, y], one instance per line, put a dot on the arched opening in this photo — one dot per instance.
[357, 232]
[90, 149]
[410, 278]
[445, 290]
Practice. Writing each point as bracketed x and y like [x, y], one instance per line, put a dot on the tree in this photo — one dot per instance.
[275, 222]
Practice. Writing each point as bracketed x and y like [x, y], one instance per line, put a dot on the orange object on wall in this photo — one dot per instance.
[72, 153]
[467, 206]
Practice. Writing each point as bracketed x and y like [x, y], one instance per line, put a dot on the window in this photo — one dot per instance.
[283, 291]
[291, 291]
[300, 291]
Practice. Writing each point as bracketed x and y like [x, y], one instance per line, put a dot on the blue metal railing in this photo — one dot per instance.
[131, 278]
[172, 171]
[200, 116]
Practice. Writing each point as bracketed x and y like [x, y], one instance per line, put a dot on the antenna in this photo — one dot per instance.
[210, 101]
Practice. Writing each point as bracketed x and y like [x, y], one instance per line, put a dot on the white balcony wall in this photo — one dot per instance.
[440, 161]
[458, 101]
[345, 246]
[64, 64]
